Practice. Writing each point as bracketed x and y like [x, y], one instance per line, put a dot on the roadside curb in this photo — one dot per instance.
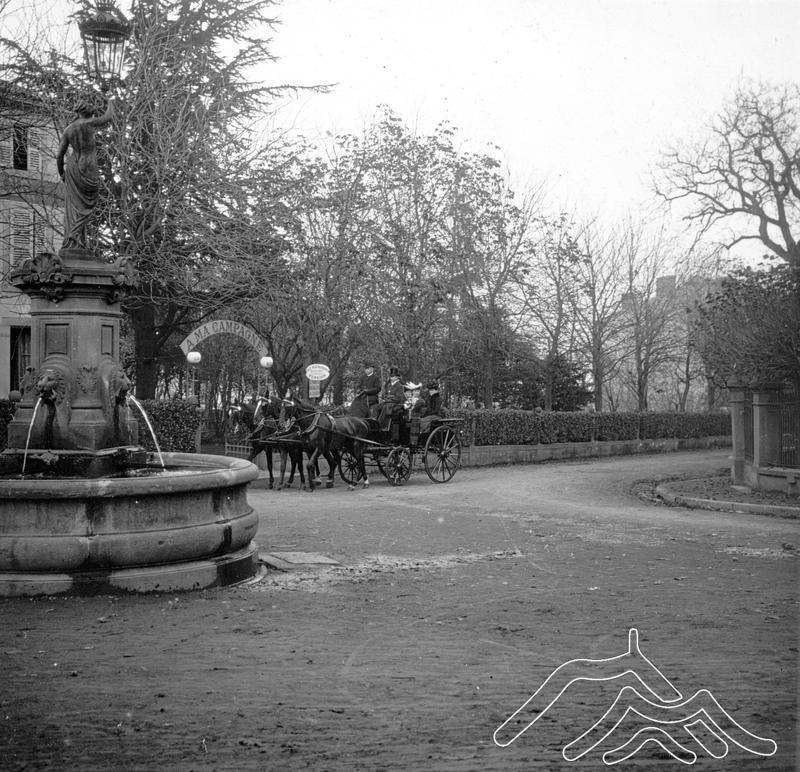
[674, 497]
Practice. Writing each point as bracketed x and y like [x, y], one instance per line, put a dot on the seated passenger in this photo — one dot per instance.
[416, 403]
[433, 406]
[413, 403]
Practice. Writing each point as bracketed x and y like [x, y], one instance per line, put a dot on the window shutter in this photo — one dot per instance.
[39, 234]
[6, 146]
[35, 145]
[21, 236]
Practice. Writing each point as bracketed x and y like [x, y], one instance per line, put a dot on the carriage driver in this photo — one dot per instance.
[365, 404]
[394, 399]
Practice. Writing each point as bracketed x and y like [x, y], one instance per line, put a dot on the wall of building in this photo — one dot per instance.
[31, 212]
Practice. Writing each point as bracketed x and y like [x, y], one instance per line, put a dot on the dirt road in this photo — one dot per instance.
[450, 606]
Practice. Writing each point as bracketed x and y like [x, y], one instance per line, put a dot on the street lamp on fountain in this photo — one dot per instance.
[105, 33]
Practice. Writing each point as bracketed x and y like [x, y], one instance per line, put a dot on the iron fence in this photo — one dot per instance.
[789, 454]
[238, 448]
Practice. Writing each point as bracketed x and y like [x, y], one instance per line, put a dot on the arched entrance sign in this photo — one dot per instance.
[224, 326]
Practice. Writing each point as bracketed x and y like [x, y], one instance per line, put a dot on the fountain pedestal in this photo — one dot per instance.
[75, 313]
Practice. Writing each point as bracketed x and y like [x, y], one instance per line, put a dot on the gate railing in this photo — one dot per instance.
[789, 450]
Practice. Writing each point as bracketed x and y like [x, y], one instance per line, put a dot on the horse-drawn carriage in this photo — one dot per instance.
[436, 442]
[350, 444]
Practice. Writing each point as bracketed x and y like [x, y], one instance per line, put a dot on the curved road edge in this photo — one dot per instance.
[671, 495]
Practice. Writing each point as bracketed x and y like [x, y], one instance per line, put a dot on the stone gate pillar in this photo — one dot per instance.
[736, 399]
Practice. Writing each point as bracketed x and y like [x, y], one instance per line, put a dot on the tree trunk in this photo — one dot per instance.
[548, 383]
[711, 395]
[683, 395]
[337, 386]
[488, 380]
[598, 377]
[642, 397]
[146, 347]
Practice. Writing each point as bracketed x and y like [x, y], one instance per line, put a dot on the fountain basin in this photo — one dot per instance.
[184, 528]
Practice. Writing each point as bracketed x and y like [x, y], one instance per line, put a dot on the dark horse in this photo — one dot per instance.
[328, 436]
[269, 434]
[241, 419]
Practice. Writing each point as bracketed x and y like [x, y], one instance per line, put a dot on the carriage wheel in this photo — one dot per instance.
[398, 465]
[348, 468]
[442, 454]
[381, 462]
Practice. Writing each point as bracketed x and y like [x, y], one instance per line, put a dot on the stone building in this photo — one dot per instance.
[31, 211]
[656, 365]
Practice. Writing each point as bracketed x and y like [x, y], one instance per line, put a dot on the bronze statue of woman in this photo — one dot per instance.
[80, 173]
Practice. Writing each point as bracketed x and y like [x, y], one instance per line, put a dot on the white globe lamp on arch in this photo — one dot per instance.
[193, 359]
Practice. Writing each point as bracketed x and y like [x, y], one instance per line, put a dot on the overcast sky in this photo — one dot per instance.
[581, 92]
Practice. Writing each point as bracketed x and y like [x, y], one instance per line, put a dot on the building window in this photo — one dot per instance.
[30, 234]
[20, 355]
[20, 147]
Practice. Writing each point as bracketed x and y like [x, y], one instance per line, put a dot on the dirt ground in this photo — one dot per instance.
[450, 605]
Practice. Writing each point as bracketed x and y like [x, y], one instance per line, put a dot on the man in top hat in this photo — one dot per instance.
[365, 404]
[394, 399]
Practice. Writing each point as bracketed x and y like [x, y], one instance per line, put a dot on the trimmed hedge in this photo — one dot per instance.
[175, 424]
[526, 427]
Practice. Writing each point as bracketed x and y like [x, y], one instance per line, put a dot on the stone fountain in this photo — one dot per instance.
[94, 512]
[83, 507]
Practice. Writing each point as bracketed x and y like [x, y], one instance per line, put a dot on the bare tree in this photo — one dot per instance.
[331, 264]
[411, 180]
[650, 307]
[746, 173]
[547, 296]
[597, 306]
[492, 232]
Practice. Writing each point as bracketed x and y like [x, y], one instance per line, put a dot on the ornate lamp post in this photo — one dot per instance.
[104, 33]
